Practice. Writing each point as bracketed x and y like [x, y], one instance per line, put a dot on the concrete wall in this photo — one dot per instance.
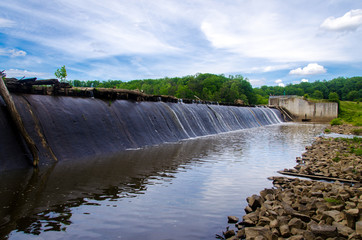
[305, 110]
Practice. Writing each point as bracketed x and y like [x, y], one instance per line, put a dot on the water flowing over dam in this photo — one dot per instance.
[70, 128]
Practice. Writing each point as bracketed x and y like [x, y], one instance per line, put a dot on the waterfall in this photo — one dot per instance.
[76, 128]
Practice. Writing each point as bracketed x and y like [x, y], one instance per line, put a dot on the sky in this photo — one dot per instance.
[270, 42]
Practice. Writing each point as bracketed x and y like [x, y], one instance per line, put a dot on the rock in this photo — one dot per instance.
[284, 230]
[334, 214]
[254, 232]
[229, 233]
[287, 208]
[255, 201]
[248, 209]
[296, 237]
[324, 230]
[233, 219]
[303, 217]
[343, 230]
[250, 219]
[359, 227]
[296, 223]
[351, 216]
[274, 223]
[241, 233]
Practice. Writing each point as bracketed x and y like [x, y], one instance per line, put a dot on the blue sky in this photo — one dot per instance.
[271, 42]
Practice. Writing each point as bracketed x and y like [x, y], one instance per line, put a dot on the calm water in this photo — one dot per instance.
[183, 190]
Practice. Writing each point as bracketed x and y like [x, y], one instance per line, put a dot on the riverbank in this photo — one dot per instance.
[308, 209]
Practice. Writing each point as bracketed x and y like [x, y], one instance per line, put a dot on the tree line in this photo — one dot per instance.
[220, 88]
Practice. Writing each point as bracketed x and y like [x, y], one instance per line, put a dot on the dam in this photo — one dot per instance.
[65, 128]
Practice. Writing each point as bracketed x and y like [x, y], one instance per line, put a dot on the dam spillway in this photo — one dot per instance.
[71, 128]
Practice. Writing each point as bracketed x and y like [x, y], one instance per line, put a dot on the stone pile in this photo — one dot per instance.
[344, 129]
[303, 209]
[331, 157]
[306, 209]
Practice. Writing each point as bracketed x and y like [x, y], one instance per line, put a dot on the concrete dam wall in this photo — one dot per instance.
[303, 110]
[70, 128]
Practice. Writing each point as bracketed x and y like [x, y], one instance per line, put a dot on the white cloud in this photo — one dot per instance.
[280, 82]
[304, 80]
[348, 22]
[12, 52]
[310, 69]
[18, 73]
[6, 23]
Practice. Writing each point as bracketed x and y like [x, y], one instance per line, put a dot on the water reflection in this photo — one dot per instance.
[172, 191]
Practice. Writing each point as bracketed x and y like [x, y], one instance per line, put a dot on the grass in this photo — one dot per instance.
[336, 121]
[333, 201]
[351, 112]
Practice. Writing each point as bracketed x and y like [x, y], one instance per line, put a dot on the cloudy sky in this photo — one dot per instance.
[271, 42]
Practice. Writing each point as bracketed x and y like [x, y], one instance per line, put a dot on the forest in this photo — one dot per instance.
[220, 88]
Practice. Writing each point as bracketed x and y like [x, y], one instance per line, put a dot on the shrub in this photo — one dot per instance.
[327, 130]
[336, 121]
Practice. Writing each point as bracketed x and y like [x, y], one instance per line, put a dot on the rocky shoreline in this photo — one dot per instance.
[307, 209]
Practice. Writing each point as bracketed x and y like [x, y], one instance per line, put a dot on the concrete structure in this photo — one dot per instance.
[303, 110]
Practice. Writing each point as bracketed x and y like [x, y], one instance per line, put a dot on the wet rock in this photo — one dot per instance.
[233, 219]
[229, 234]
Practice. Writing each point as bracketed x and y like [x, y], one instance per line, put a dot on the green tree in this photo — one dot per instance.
[317, 94]
[61, 74]
[352, 96]
[333, 97]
